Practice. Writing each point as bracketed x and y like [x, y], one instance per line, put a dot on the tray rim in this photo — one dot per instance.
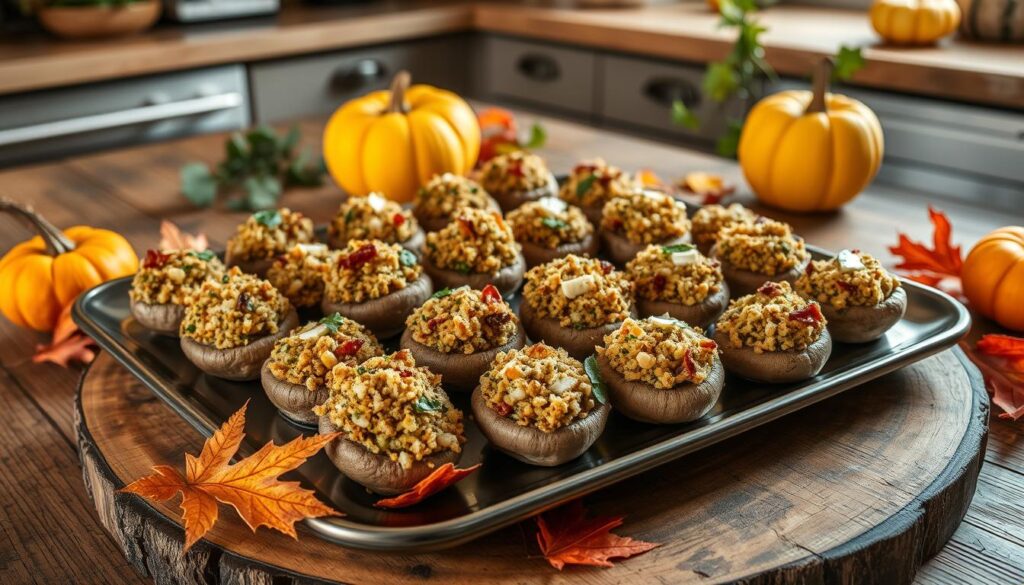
[456, 531]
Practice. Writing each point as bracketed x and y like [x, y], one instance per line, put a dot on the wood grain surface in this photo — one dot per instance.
[48, 533]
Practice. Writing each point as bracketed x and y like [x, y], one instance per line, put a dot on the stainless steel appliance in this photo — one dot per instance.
[200, 10]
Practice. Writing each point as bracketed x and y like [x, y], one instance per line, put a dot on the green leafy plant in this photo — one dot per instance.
[257, 167]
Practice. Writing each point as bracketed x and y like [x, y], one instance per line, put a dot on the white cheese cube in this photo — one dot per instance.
[553, 204]
[375, 201]
[313, 248]
[685, 258]
[579, 286]
[313, 332]
[849, 261]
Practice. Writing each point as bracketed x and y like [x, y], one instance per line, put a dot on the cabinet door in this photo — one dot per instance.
[316, 85]
[539, 73]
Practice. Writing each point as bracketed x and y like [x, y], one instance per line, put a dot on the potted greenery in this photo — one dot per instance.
[81, 19]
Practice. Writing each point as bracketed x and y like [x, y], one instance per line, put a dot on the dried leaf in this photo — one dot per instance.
[710, 187]
[1001, 359]
[441, 478]
[68, 343]
[942, 258]
[172, 238]
[649, 178]
[250, 486]
[567, 537]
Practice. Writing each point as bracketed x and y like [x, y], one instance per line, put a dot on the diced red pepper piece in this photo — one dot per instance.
[845, 286]
[503, 409]
[349, 347]
[810, 268]
[659, 283]
[398, 219]
[770, 289]
[809, 315]
[433, 323]
[364, 254]
[496, 320]
[405, 374]
[606, 266]
[708, 344]
[490, 294]
[155, 259]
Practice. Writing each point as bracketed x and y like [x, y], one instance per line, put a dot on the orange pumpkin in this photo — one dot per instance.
[993, 277]
[41, 276]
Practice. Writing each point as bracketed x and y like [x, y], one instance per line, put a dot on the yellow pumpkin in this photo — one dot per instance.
[810, 150]
[993, 277]
[914, 22]
[394, 141]
[39, 277]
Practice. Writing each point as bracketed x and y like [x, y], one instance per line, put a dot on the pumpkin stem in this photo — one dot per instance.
[55, 240]
[819, 82]
[398, 86]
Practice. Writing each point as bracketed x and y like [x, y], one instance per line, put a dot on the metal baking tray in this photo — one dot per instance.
[503, 490]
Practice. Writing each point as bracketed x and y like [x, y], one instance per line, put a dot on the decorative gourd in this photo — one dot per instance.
[394, 141]
[914, 22]
[810, 150]
[992, 20]
[39, 277]
[993, 277]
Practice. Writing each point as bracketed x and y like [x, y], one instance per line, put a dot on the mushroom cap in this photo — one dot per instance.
[536, 254]
[459, 371]
[377, 472]
[580, 343]
[436, 224]
[645, 403]
[744, 282]
[594, 213]
[414, 244]
[775, 367]
[237, 363]
[164, 318]
[534, 446]
[510, 200]
[384, 316]
[620, 250]
[857, 324]
[295, 401]
[257, 267]
[507, 280]
[702, 315]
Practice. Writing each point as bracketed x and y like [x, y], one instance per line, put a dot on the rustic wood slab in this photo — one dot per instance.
[861, 488]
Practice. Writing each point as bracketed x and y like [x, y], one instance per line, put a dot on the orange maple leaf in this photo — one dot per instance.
[251, 486]
[567, 537]
[930, 265]
[172, 238]
[441, 478]
[1001, 359]
[68, 343]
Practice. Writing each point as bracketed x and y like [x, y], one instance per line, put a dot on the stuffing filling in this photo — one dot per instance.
[369, 269]
[170, 277]
[765, 246]
[773, 319]
[445, 195]
[711, 218]
[660, 352]
[675, 274]
[463, 320]
[578, 292]
[299, 273]
[372, 218]
[393, 408]
[646, 217]
[233, 310]
[593, 183]
[852, 278]
[476, 242]
[514, 171]
[538, 386]
[549, 222]
[307, 355]
[266, 234]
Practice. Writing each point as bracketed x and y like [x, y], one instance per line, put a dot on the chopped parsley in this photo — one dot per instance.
[268, 217]
[349, 216]
[191, 328]
[441, 293]
[584, 185]
[407, 258]
[596, 383]
[666, 250]
[205, 255]
[360, 370]
[462, 268]
[553, 223]
[224, 279]
[332, 322]
[427, 404]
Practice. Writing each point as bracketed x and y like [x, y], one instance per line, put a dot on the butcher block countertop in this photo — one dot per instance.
[797, 36]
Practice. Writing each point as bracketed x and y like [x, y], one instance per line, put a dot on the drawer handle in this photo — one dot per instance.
[539, 67]
[118, 119]
[665, 90]
[363, 73]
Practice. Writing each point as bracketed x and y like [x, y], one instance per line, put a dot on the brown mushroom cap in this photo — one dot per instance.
[237, 363]
[164, 318]
[414, 244]
[459, 371]
[579, 343]
[295, 401]
[513, 199]
[436, 224]
[775, 367]
[536, 254]
[384, 316]
[856, 324]
[534, 446]
[620, 250]
[257, 267]
[744, 282]
[702, 315]
[507, 280]
[594, 213]
[645, 403]
[376, 472]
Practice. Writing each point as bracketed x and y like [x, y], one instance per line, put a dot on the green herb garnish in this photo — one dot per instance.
[584, 185]
[268, 217]
[224, 279]
[407, 258]
[462, 268]
[205, 255]
[332, 322]
[427, 404]
[441, 293]
[191, 328]
[349, 216]
[666, 250]
[360, 370]
[553, 223]
[596, 383]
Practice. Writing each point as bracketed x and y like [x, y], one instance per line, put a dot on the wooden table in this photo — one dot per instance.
[50, 530]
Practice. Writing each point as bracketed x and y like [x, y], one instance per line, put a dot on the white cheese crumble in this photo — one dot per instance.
[579, 286]
[848, 261]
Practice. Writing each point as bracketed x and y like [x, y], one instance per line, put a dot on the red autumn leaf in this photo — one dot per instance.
[942, 259]
[68, 344]
[1001, 359]
[441, 478]
[172, 238]
[567, 537]
[710, 187]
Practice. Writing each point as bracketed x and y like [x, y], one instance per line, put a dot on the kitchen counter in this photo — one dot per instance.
[797, 36]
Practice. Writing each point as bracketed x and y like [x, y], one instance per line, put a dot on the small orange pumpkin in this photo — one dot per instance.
[41, 276]
[993, 277]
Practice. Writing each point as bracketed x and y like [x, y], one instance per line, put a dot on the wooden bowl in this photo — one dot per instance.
[90, 22]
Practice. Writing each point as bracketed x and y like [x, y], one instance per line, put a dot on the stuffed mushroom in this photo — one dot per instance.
[264, 236]
[710, 219]
[860, 299]
[517, 177]
[631, 222]
[295, 376]
[376, 284]
[475, 250]
[232, 323]
[592, 183]
[374, 218]
[573, 302]
[764, 250]
[660, 370]
[457, 333]
[550, 228]
[299, 274]
[773, 336]
[538, 405]
[397, 425]
[162, 286]
[678, 281]
[445, 196]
